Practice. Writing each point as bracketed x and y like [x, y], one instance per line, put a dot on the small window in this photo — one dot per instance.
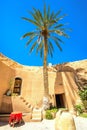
[17, 86]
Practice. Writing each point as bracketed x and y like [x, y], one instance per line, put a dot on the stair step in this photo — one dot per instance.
[4, 115]
[36, 119]
[36, 116]
[26, 103]
[36, 112]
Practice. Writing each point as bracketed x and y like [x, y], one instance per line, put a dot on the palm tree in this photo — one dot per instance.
[48, 31]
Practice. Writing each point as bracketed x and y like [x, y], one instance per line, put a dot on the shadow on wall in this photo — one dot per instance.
[6, 105]
[59, 91]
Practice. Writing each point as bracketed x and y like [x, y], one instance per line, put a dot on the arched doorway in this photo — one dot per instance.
[17, 86]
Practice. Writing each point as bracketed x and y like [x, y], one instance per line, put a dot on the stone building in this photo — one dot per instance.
[26, 86]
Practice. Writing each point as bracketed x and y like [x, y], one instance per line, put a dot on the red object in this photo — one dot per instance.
[15, 117]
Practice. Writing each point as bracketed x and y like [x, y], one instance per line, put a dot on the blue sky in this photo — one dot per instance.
[12, 27]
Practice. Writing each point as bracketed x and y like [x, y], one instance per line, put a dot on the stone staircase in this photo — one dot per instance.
[20, 104]
[36, 115]
[15, 103]
[4, 117]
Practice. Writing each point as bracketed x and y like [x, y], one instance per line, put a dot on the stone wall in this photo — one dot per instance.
[32, 89]
[6, 73]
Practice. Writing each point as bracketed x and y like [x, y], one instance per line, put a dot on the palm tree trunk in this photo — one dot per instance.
[45, 71]
[45, 76]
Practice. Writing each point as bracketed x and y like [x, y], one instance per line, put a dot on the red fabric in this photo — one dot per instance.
[15, 117]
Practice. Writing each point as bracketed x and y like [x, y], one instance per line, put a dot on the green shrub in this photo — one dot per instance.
[79, 109]
[49, 115]
[83, 96]
[54, 110]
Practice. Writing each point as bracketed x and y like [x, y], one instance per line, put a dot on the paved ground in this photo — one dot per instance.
[81, 124]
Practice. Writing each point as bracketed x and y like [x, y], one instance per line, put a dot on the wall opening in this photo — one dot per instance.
[60, 100]
[17, 86]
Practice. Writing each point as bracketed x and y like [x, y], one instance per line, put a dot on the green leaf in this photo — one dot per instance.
[65, 35]
[59, 11]
[57, 38]
[36, 18]
[33, 46]
[45, 15]
[58, 26]
[48, 12]
[57, 43]
[41, 52]
[32, 21]
[30, 40]
[61, 17]
[50, 48]
[27, 34]
[39, 46]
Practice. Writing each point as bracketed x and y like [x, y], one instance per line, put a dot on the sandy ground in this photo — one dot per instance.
[81, 124]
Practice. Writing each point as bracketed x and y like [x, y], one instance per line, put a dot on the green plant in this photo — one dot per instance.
[83, 96]
[54, 110]
[49, 115]
[79, 109]
[83, 93]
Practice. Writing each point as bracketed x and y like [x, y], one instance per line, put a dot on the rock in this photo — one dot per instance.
[64, 121]
[46, 104]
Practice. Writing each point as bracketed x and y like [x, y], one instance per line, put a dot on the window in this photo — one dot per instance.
[17, 86]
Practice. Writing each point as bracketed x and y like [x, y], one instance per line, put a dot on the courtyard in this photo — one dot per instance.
[81, 124]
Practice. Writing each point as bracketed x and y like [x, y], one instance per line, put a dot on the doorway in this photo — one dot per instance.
[60, 100]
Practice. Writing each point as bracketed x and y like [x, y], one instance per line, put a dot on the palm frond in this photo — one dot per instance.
[30, 39]
[48, 12]
[36, 17]
[31, 21]
[27, 34]
[41, 52]
[41, 17]
[58, 45]
[45, 14]
[52, 16]
[65, 29]
[57, 42]
[61, 33]
[58, 26]
[59, 11]
[40, 48]
[57, 38]
[65, 35]
[51, 23]
[50, 48]
[33, 46]
[52, 31]
[61, 17]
